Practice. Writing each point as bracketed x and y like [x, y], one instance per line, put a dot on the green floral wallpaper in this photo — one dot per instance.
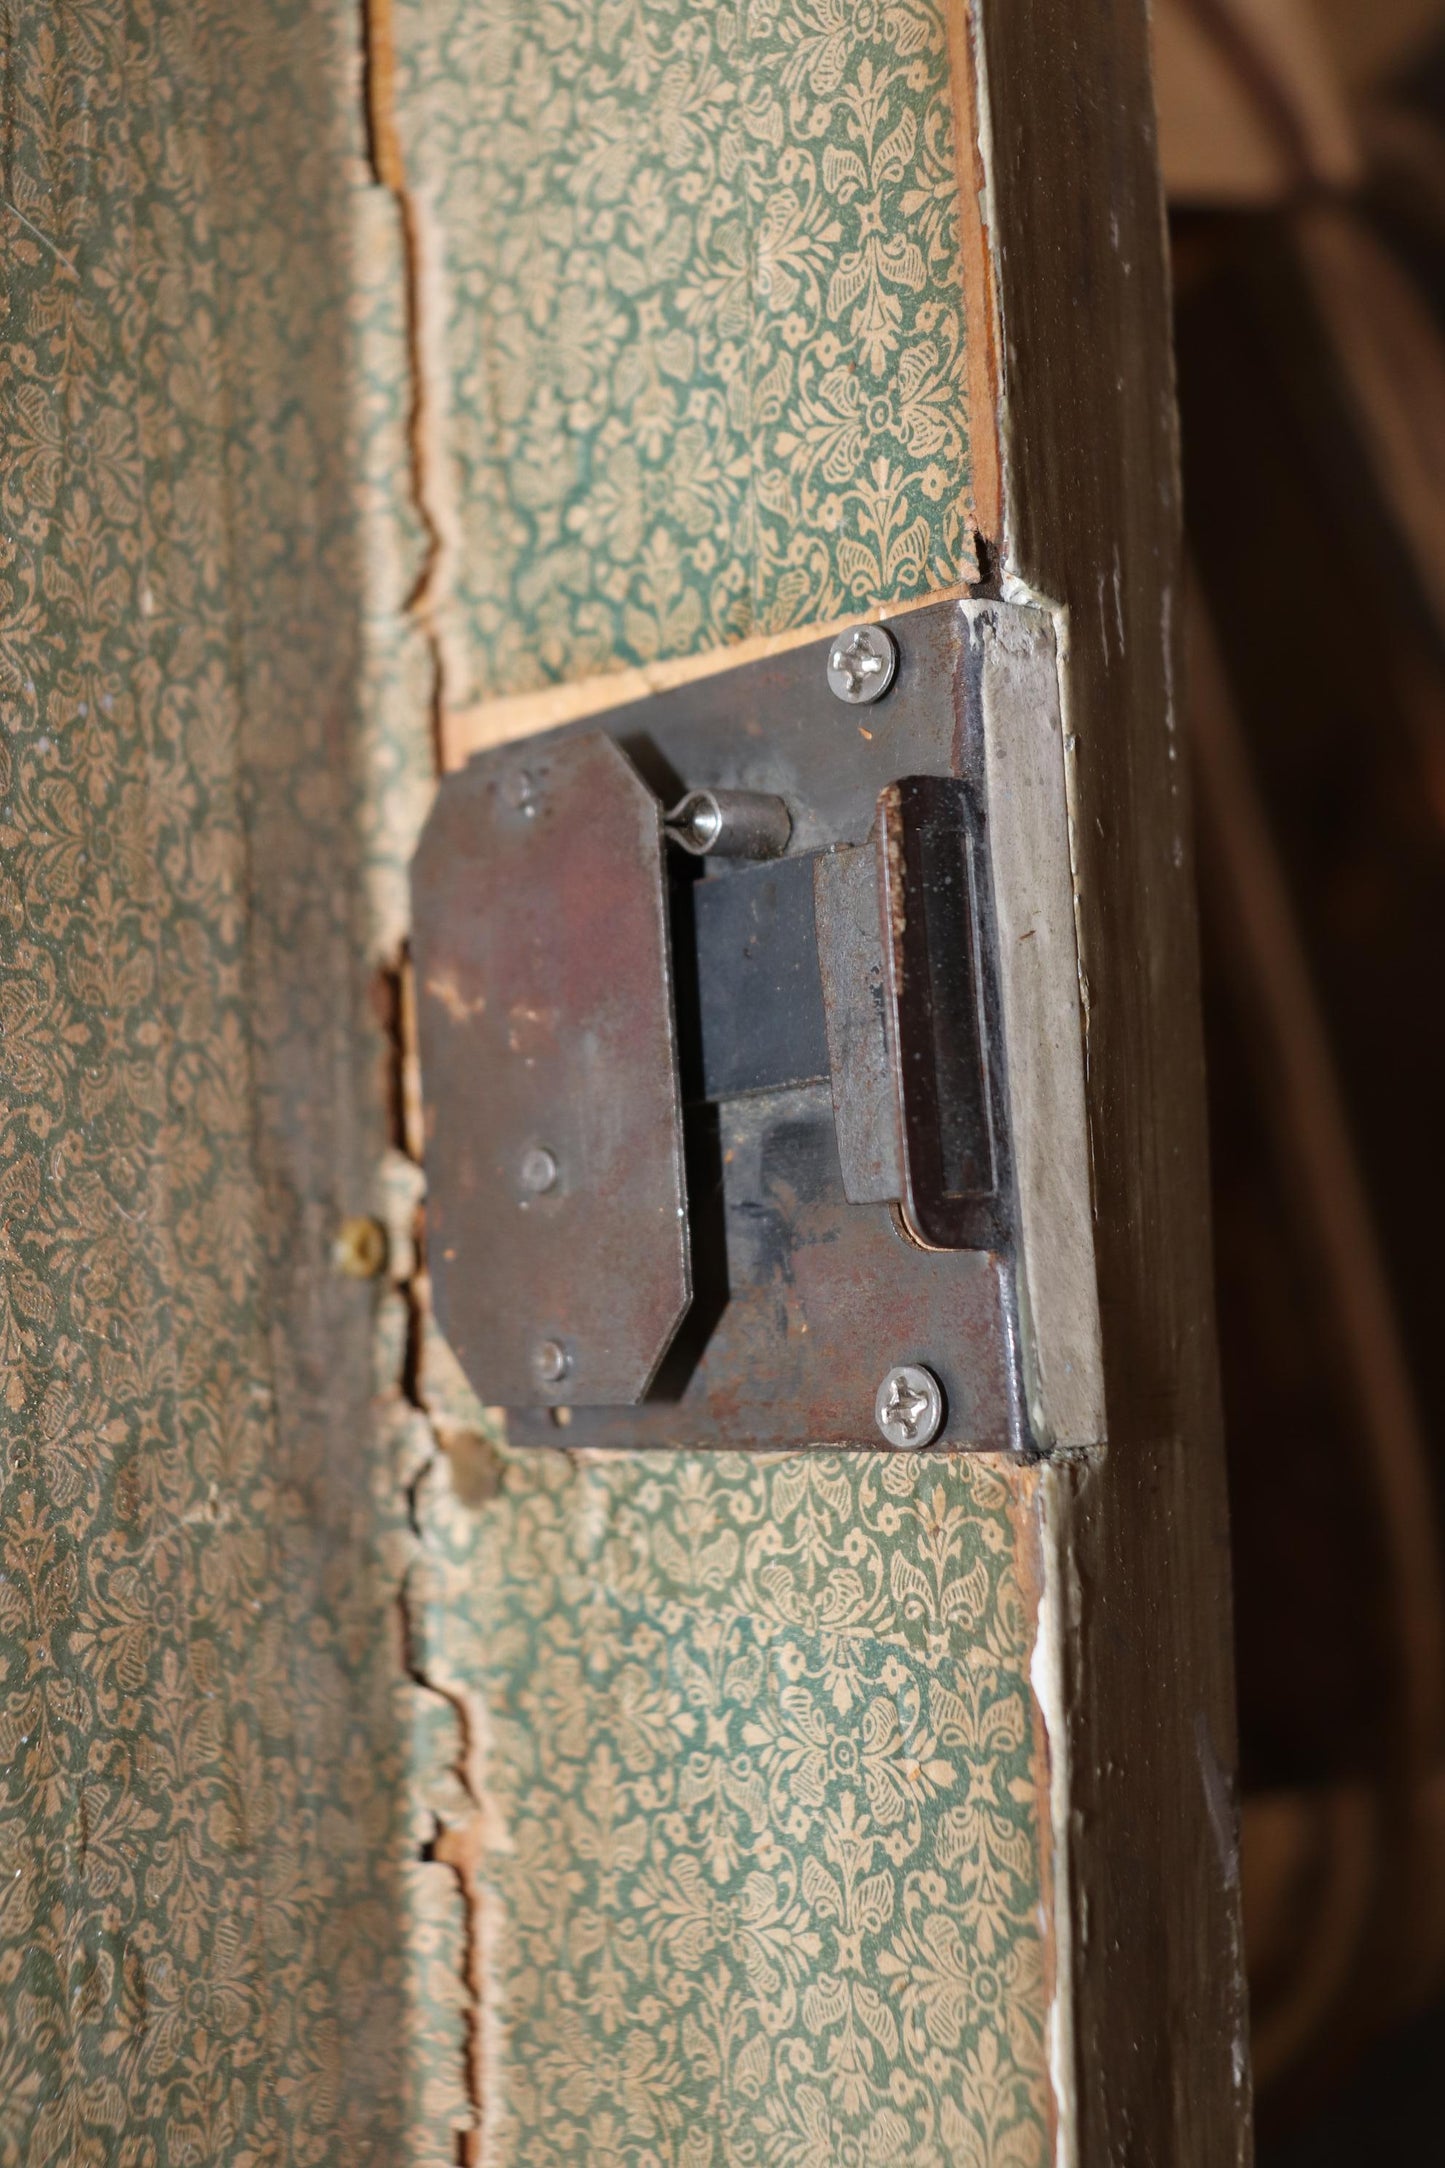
[209, 1853]
[751, 1786]
[691, 287]
[358, 1803]
[759, 1767]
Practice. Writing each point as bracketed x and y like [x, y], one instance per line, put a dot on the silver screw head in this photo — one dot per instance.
[909, 1407]
[861, 664]
[519, 793]
[702, 819]
[538, 1170]
[551, 1361]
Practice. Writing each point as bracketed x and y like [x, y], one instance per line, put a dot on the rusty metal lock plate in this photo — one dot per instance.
[556, 1206]
[718, 1144]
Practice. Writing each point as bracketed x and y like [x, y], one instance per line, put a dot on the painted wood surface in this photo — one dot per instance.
[1092, 518]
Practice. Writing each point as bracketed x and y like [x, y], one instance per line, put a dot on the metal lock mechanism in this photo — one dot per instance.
[752, 1057]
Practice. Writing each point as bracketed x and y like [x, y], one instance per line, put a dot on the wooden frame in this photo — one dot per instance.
[1150, 2054]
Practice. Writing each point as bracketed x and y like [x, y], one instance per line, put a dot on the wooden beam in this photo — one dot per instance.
[1150, 2055]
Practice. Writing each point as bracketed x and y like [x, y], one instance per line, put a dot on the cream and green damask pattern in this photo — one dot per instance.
[757, 1753]
[206, 1860]
[751, 1824]
[689, 275]
[702, 1796]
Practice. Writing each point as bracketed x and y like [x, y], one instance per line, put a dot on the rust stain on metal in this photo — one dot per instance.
[895, 903]
[822, 1298]
[546, 1027]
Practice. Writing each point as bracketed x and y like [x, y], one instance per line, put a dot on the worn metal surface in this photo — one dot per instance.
[759, 1000]
[944, 1030]
[850, 962]
[822, 1297]
[545, 1013]
[774, 726]
[1031, 887]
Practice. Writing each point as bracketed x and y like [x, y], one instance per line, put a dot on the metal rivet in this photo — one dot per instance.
[539, 1170]
[551, 1361]
[519, 792]
[861, 664]
[359, 1250]
[909, 1407]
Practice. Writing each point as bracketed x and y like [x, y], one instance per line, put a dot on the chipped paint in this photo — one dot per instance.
[1048, 1677]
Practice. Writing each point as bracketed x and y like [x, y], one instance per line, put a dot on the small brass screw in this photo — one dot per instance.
[359, 1251]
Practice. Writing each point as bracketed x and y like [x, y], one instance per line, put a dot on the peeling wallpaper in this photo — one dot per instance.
[753, 1783]
[760, 1876]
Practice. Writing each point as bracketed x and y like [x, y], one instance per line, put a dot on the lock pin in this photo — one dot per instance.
[730, 824]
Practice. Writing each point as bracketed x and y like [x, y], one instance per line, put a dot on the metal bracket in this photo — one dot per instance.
[741, 1112]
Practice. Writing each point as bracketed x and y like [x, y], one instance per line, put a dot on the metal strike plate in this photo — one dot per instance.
[556, 1209]
[752, 1056]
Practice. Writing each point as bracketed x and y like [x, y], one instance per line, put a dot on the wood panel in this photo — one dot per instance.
[1145, 1818]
